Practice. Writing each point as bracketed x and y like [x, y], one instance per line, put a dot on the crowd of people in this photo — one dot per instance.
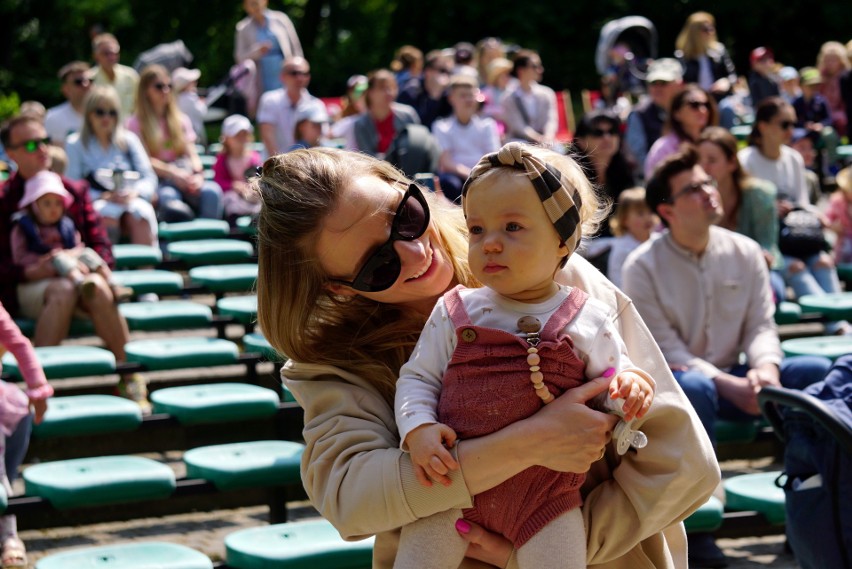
[653, 189]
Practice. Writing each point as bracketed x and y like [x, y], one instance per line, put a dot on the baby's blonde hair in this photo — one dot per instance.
[629, 200]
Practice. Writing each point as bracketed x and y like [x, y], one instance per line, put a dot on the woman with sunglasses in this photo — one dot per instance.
[105, 144]
[350, 266]
[597, 147]
[168, 138]
[704, 58]
[769, 157]
[692, 110]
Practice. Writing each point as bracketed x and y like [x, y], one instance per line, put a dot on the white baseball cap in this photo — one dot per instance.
[235, 124]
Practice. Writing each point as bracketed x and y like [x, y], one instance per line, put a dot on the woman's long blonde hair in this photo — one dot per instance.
[100, 97]
[691, 40]
[298, 313]
[149, 122]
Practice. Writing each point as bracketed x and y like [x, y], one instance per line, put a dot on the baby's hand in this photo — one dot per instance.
[428, 445]
[636, 392]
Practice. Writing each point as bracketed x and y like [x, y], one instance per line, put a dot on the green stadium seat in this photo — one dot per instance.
[207, 161]
[88, 414]
[246, 225]
[243, 309]
[182, 353]
[787, 313]
[4, 499]
[99, 480]
[844, 271]
[834, 306]
[215, 148]
[138, 555]
[845, 152]
[741, 132]
[296, 545]
[756, 492]
[255, 342]
[225, 278]
[60, 362]
[210, 251]
[246, 465]
[79, 327]
[166, 315]
[707, 518]
[195, 229]
[150, 281]
[128, 256]
[211, 403]
[831, 347]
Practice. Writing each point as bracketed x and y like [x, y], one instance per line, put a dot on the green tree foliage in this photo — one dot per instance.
[342, 37]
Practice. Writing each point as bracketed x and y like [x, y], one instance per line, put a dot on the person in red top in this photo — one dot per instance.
[53, 304]
[376, 129]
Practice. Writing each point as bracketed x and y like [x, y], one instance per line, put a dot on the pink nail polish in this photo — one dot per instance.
[462, 526]
[609, 372]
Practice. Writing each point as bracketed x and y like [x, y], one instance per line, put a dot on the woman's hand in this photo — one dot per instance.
[567, 435]
[39, 407]
[484, 545]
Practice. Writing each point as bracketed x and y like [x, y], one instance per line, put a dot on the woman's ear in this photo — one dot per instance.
[342, 290]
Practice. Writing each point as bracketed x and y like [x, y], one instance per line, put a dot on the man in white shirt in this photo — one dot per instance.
[464, 137]
[67, 118]
[277, 111]
[109, 71]
[704, 293]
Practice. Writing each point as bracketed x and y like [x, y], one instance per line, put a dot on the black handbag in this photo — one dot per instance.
[801, 234]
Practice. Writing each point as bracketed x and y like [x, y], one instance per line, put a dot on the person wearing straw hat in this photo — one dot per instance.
[526, 209]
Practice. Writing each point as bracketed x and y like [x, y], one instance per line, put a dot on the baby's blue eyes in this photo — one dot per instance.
[513, 227]
[477, 230]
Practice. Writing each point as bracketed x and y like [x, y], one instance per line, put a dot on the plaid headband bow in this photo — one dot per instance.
[561, 201]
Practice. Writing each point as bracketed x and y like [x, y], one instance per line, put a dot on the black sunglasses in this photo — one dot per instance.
[693, 188]
[106, 112]
[696, 105]
[31, 145]
[82, 82]
[381, 270]
[601, 132]
[297, 73]
[163, 87]
[786, 124]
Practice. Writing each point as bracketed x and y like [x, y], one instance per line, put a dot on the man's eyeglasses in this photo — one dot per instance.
[112, 113]
[82, 82]
[163, 87]
[697, 105]
[699, 187]
[381, 270]
[31, 145]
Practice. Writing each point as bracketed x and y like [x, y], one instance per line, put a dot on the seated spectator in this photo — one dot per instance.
[463, 60]
[833, 62]
[748, 203]
[790, 84]
[67, 118]
[109, 72]
[645, 122]
[268, 38]
[814, 115]
[41, 227]
[464, 138]
[805, 143]
[407, 64]
[17, 421]
[354, 105]
[37, 291]
[487, 50]
[692, 110]
[839, 216]
[706, 61]
[376, 129]
[762, 82]
[530, 109]
[276, 114]
[185, 84]
[427, 95]
[309, 131]
[597, 148]
[498, 83]
[632, 223]
[234, 165]
[105, 144]
[169, 140]
[704, 293]
[769, 157]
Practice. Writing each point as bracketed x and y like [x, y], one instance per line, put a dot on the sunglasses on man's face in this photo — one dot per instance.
[112, 113]
[297, 73]
[82, 82]
[31, 145]
[382, 269]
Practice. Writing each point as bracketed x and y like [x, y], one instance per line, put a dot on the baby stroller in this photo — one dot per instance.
[170, 55]
[624, 49]
[816, 426]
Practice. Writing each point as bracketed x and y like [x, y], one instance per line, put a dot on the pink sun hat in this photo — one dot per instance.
[41, 184]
